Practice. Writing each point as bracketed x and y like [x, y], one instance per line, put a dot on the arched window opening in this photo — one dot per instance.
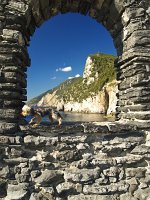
[72, 68]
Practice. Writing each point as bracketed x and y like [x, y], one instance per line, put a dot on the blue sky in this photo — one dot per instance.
[60, 47]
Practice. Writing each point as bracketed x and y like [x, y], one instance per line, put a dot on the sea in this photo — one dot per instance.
[78, 117]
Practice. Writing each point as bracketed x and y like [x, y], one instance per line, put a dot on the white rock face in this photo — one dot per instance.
[89, 105]
[104, 102]
[49, 100]
[88, 71]
[112, 90]
[88, 67]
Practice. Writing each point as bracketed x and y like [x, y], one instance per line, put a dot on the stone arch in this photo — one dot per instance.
[127, 21]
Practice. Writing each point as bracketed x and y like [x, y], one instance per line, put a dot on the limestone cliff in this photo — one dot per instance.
[103, 102]
[94, 93]
[49, 99]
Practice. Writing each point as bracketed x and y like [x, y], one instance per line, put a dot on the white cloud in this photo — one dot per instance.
[65, 69]
[77, 75]
[70, 77]
[53, 78]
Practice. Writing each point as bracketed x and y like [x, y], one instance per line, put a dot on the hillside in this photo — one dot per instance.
[60, 89]
[99, 70]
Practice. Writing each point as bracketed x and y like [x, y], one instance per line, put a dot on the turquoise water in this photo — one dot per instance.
[78, 117]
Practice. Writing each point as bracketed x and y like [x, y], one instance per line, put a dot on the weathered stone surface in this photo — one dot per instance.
[140, 150]
[4, 172]
[129, 159]
[111, 172]
[127, 196]
[142, 194]
[81, 175]
[3, 188]
[94, 174]
[49, 177]
[30, 139]
[103, 161]
[41, 195]
[93, 197]
[17, 6]
[110, 161]
[13, 35]
[69, 188]
[97, 189]
[4, 139]
[67, 155]
[129, 28]
[16, 192]
[36, 11]
[7, 127]
[137, 172]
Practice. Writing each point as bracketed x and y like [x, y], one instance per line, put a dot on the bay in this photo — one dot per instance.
[79, 117]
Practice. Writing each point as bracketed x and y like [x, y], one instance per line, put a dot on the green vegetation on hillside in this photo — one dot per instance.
[104, 66]
[76, 89]
[79, 90]
[35, 100]
[60, 91]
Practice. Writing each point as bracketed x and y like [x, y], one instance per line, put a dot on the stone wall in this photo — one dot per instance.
[134, 92]
[90, 161]
[76, 164]
[128, 22]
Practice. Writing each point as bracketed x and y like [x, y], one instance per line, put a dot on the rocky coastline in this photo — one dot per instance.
[103, 100]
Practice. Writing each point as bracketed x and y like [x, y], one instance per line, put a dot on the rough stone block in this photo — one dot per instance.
[45, 8]
[16, 192]
[36, 11]
[139, 38]
[135, 172]
[49, 177]
[94, 189]
[13, 35]
[3, 188]
[8, 114]
[92, 197]
[20, 7]
[97, 189]
[4, 172]
[81, 175]
[8, 128]
[127, 197]
[143, 194]
[68, 187]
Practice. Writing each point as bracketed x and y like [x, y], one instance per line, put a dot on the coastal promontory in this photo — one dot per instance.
[94, 92]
